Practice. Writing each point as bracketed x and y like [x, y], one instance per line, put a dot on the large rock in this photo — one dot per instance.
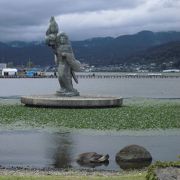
[133, 157]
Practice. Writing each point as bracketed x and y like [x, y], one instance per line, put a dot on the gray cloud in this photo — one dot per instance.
[28, 20]
[36, 11]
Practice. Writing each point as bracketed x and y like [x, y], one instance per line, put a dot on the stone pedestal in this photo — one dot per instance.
[72, 102]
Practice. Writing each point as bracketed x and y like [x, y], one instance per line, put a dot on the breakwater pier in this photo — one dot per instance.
[106, 75]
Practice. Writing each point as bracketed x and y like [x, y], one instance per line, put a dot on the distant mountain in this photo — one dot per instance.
[99, 51]
[105, 51]
[162, 54]
[21, 44]
[3, 45]
[20, 53]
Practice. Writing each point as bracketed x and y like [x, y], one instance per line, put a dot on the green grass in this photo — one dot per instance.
[162, 115]
[125, 177]
[151, 174]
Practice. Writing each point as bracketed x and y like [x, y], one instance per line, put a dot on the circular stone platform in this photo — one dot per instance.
[68, 102]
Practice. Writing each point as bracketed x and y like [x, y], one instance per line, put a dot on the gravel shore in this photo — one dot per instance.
[19, 171]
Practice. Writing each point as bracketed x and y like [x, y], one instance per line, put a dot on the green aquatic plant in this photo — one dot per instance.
[131, 116]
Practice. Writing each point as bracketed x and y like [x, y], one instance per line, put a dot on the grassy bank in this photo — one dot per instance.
[148, 115]
[135, 177]
[22, 175]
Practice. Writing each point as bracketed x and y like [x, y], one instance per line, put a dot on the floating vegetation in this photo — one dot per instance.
[131, 116]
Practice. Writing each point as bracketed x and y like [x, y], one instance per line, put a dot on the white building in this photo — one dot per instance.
[2, 65]
[171, 70]
[9, 72]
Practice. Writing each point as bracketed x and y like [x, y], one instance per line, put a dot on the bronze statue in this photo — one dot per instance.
[64, 58]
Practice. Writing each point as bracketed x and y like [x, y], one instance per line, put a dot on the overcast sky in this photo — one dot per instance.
[82, 19]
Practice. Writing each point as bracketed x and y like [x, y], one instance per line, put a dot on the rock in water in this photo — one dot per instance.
[133, 157]
[92, 157]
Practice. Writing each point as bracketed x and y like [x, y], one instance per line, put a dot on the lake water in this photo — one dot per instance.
[43, 149]
[127, 87]
[56, 149]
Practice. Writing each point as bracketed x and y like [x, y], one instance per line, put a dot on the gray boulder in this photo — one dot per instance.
[133, 157]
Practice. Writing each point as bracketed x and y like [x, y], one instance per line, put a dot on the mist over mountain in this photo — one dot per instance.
[143, 47]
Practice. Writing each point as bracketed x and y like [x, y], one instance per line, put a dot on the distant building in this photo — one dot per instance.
[154, 74]
[171, 70]
[9, 72]
[50, 74]
[2, 66]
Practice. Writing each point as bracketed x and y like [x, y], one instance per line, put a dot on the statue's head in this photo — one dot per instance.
[50, 40]
[63, 38]
[57, 40]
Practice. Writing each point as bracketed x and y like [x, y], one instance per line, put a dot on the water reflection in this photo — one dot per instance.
[133, 165]
[62, 154]
[93, 165]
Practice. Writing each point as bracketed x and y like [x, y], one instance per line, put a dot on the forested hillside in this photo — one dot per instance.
[143, 47]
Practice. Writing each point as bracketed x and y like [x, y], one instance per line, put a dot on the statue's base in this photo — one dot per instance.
[71, 102]
[67, 94]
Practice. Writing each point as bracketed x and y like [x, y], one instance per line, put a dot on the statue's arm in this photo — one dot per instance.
[73, 63]
[55, 52]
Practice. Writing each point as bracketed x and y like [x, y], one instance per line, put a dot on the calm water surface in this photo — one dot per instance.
[41, 149]
[149, 88]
